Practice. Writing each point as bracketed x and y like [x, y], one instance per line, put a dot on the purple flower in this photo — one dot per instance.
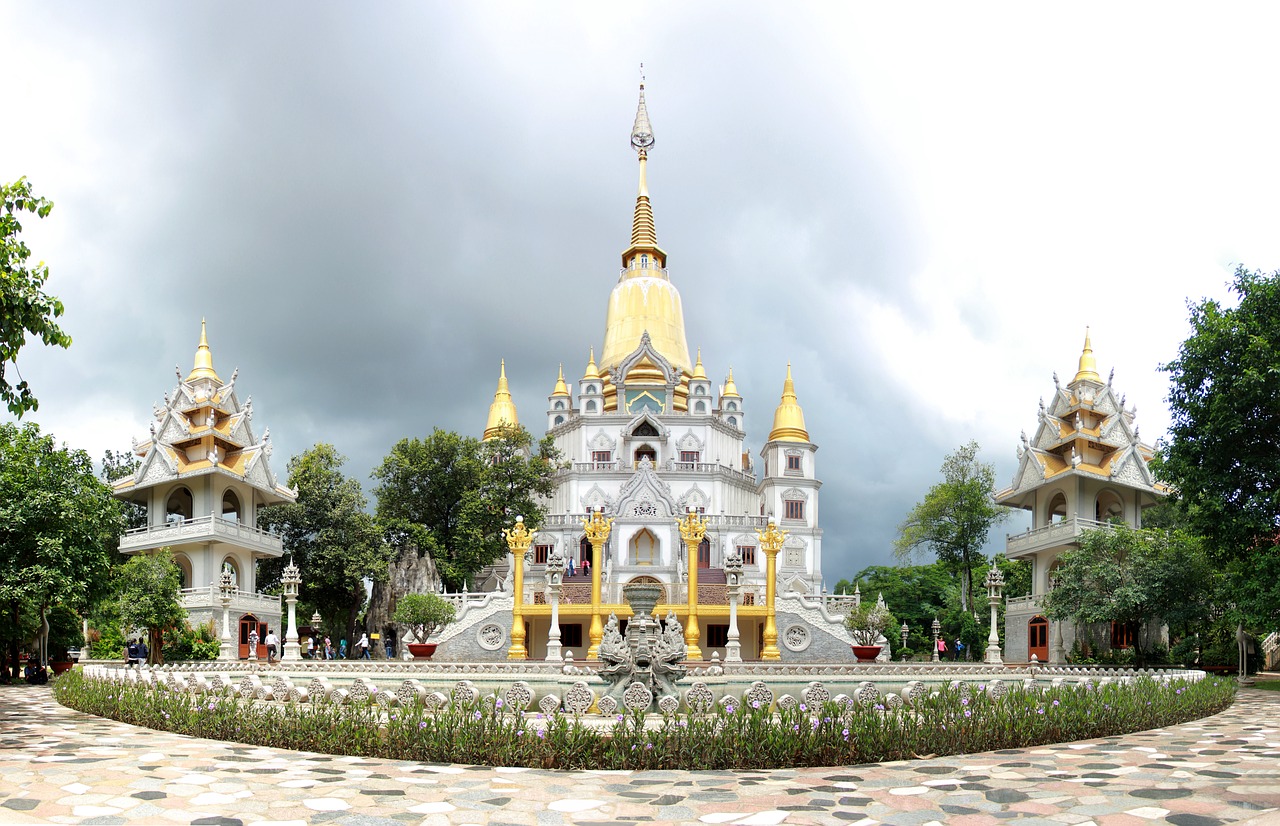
[968, 713]
[1055, 702]
[422, 725]
[803, 707]
[498, 704]
[755, 704]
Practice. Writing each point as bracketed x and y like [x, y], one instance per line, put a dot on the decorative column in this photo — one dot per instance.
[937, 629]
[518, 540]
[692, 530]
[905, 630]
[291, 579]
[1057, 648]
[771, 542]
[227, 649]
[995, 584]
[317, 637]
[733, 585]
[597, 530]
[555, 574]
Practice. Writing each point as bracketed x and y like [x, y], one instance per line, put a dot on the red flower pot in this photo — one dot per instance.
[866, 653]
[422, 650]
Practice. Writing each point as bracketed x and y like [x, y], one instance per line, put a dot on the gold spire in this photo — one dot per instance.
[503, 410]
[592, 372]
[562, 389]
[1088, 364]
[698, 371]
[788, 419]
[730, 390]
[204, 360]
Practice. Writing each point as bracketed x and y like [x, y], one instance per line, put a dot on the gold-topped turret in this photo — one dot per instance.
[562, 389]
[503, 410]
[1088, 364]
[730, 389]
[788, 419]
[699, 372]
[203, 368]
[592, 373]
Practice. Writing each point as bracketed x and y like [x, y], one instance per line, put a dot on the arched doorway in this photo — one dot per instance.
[230, 506]
[646, 452]
[1038, 639]
[704, 553]
[179, 507]
[644, 548]
[584, 550]
[1057, 508]
[249, 622]
[1109, 507]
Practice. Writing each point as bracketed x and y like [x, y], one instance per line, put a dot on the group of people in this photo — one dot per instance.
[136, 652]
[957, 653]
[585, 567]
[317, 650]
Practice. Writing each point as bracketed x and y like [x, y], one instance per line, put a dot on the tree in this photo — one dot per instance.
[1223, 451]
[1133, 576]
[24, 307]
[424, 614]
[917, 594]
[118, 465]
[148, 588]
[333, 540]
[954, 518]
[59, 527]
[450, 496]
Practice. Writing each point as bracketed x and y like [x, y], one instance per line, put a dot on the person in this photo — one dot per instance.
[143, 651]
[273, 642]
[328, 648]
[311, 648]
[586, 567]
[571, 571]
[959, 652]
[942, 648]
[362, 648]
[390, 646]
[36, 674]
[131, 653]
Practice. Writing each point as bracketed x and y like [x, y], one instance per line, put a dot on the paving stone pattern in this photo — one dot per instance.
[60, 766]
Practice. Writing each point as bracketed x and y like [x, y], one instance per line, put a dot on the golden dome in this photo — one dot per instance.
[204, 360]
[730, 390]
[698, 371]
[562, 389]
[592, 373]
[503, 410]
[788, 419]
[1088, 364]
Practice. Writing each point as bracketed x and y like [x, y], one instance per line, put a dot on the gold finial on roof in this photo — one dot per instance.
[788, 419]
[203, 368]
[730, 389]
[699, 372]
[1088, 364]
[502, 412]
[592, 372]
[562, 389]
[644, 237]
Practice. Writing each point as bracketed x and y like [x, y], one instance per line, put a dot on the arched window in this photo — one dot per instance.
[1109, 507]
[584, 549]
[732, 406]
[700, 407]
[1057, 508]
[559, 420]
[701, 391]
[184, 570]
[591, 407]
[180, 507]
[229, 564]
[733, 421]
[591, 388]
[646, 452]
[644, 548]
[230, 506]
[645, 428]
[559, 404]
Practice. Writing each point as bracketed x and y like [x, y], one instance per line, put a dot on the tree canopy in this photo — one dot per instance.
[24, 307]
[1223, 451]
[954, 518]
[450, 496]
[147, 589]
[59, 527]
[333, 540]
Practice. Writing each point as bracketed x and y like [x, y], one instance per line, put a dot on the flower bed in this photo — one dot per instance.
[733, 734]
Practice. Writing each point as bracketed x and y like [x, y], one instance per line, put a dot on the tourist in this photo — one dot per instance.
[273, 643]
[130, 653]
[959, 652]
[311, 648]
[328, 648]
[342, 649]
[942, 648]
[362, 648]
[390, 646]
[143, 651]
[570, 568]
[586, 567]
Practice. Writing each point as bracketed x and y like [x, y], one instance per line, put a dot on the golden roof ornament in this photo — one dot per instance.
[203, 368]
[592, 373]
[788, 419]
[1088, 364]
[502, 412]
[730, 389]
[562, 389]
[699, 372]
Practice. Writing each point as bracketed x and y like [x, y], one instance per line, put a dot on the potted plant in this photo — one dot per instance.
[424, 614]
[867, 624]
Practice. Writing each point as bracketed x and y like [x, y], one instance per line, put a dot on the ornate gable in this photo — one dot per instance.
[645, 494]
[694, 498]
[597, 499]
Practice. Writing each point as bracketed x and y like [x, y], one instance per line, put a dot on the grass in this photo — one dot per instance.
[1268, 685]
[954, 720]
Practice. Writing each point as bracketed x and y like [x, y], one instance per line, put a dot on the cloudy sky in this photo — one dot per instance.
[920, 207]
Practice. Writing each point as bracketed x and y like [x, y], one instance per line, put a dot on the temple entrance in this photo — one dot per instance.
[248, 623]
[704, 554]
[644, 548]
[1038, 639]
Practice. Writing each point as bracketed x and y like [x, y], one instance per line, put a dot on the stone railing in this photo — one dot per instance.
[188, 530]
[242, 602]
[1055, 534]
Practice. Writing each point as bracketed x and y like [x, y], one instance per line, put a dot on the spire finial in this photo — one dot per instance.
[203, 368]
[1088, 364]
[502, 412]
[788, 419]
[641, 131]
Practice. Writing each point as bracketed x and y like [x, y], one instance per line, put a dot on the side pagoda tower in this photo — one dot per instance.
[202, 477]
[1084, 468]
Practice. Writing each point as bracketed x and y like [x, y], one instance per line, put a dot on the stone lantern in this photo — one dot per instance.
[937, 629]
[291, 579]
[733, 586]
[905, 630]
[555, 576]
[226, 589]
[995, 585]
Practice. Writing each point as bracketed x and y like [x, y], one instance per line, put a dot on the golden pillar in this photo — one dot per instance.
[692, 530]
[518, 540]
[771, 542]
[597, 528]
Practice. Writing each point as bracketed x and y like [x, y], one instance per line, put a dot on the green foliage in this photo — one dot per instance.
[738, 736]
[24, 307]
[1119, 574]
[59, 527]
[118, 465]
[450, 496]
[1223, 453]
[954, 518]
[192, 643]
[424, 614]
[844, 587]
[915, 593]
[148, 586]
[333, 540]
[869, 621]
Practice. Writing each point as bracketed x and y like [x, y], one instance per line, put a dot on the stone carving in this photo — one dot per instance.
[913, 692]
[893, 701]
[361, 691]
[410, 692]
[434, 700]
[796, 638]
[607, 706]
[491, 636]
[868, 694]
[648, 655]
[464, 692]
[579, 698]
[637, 697]
[758, 696]
[786, 702]
[518, 697]
[669, 704]
[815, 694]
[729, 704]
[997, 689]
[339, 696]
[699, 698]
[549, 704]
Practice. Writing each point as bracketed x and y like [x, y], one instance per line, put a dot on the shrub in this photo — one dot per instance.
[424, 614]
[867, 623]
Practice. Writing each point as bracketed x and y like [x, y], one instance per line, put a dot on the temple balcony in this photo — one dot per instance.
[1027, 604]
[202, 529]
[671, 466]
[242, 602]
[1065, 532]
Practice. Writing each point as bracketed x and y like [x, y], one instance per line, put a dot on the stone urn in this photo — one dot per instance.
[642, 596]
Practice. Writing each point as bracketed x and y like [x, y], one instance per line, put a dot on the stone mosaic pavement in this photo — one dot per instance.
[60, 766]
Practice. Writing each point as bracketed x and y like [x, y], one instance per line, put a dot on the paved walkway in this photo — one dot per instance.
[60, 766]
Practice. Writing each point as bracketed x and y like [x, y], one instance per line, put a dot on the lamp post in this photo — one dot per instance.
[518, 540]
[771, 542]
[597, 529]
[733, 586]
[692, 531]
[937, 629]
[316, 619]
[905, 631]
[995, 584]
[225, 589]
[555, 575]
[291, 579]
